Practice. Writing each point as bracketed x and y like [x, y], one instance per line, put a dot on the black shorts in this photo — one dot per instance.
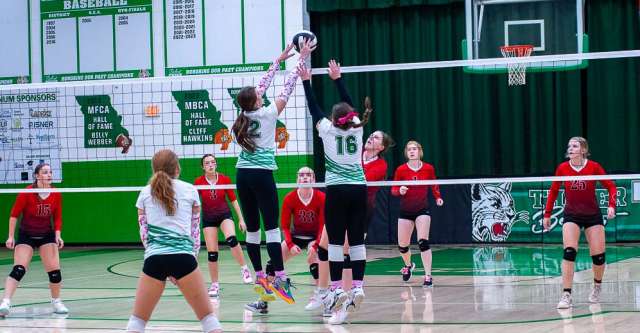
[584, 221]
[162, 266]
[414, 215]
[302, 243]
[35, 241]
[216, 221]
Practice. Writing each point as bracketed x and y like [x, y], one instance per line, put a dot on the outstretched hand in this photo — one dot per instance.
[306, 49]
[304, 72]
[334, 70]
[286, 53]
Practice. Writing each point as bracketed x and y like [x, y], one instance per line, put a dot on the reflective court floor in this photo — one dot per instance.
[476, 289]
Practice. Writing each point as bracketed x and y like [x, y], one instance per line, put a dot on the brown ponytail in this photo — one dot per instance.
[246, 99]
[165, 168]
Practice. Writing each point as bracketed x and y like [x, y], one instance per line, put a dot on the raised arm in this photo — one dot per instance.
[336, 75]
[292, 78]
[266, 80]
[314, 108]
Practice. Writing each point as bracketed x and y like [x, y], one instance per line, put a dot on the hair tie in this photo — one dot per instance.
[346, 118]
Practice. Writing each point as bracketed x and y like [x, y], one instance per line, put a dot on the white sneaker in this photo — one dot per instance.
[214, 290]
[565, 301]
[357, 296]
[326, 312]
[594, 297]
[334, 299]
[339, 316]
[314, 302]
[4, 307]
[58, 306]
[246, 275]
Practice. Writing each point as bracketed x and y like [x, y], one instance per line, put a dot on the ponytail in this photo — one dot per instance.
[162, 191]
[240, 130]
[165, 166]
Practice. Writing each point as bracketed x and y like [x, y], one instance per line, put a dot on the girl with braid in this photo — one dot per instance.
[346, 196]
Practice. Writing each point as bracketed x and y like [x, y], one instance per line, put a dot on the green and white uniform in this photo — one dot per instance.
[342, 153]
[262, 129]
[166, 234]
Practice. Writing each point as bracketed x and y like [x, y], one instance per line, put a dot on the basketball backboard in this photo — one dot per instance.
[551, 26]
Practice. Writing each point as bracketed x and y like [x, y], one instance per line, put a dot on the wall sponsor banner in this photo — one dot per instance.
[513, 213]
[29, 135]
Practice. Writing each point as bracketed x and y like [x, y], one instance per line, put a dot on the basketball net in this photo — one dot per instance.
[517, 71]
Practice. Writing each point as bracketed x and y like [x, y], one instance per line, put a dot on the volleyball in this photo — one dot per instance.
[300, 37]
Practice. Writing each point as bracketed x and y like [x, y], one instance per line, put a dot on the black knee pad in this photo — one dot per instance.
[423, 244]
[18, 272]
[346, 264]
[269, 269]
[232, 241]
[212, 256]
[569, 254]
[313, 269]
[403, 249]
[598, 259]
[55, 276]
[323, 254]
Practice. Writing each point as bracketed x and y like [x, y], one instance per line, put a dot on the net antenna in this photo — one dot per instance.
[517, 71]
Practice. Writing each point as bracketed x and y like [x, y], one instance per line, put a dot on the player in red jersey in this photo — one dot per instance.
[302, 220]
[414, 210]
[581, 210]
[38, 210]
[375, 167]
[216, 215]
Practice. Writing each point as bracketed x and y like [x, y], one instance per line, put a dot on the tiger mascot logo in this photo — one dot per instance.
[493, 212]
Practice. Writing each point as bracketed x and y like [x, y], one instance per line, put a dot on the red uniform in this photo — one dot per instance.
[214, 204]
[37, 213]
[374, 171]
[415, 200]
[580, 194]
[308, 220]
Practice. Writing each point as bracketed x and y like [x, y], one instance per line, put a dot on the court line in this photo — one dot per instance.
[585, 315]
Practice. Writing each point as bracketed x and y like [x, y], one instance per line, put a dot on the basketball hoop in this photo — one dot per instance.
[517, 71]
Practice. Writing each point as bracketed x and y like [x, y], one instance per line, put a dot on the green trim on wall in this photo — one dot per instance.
[110, 217]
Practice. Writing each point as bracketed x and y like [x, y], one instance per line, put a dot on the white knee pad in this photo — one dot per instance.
[210, 323]
[273, 235]
[136, 324]
[358, 252]
[253, 237]
[336, 253]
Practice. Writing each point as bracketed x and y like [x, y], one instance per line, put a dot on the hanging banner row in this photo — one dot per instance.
[74, 40]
